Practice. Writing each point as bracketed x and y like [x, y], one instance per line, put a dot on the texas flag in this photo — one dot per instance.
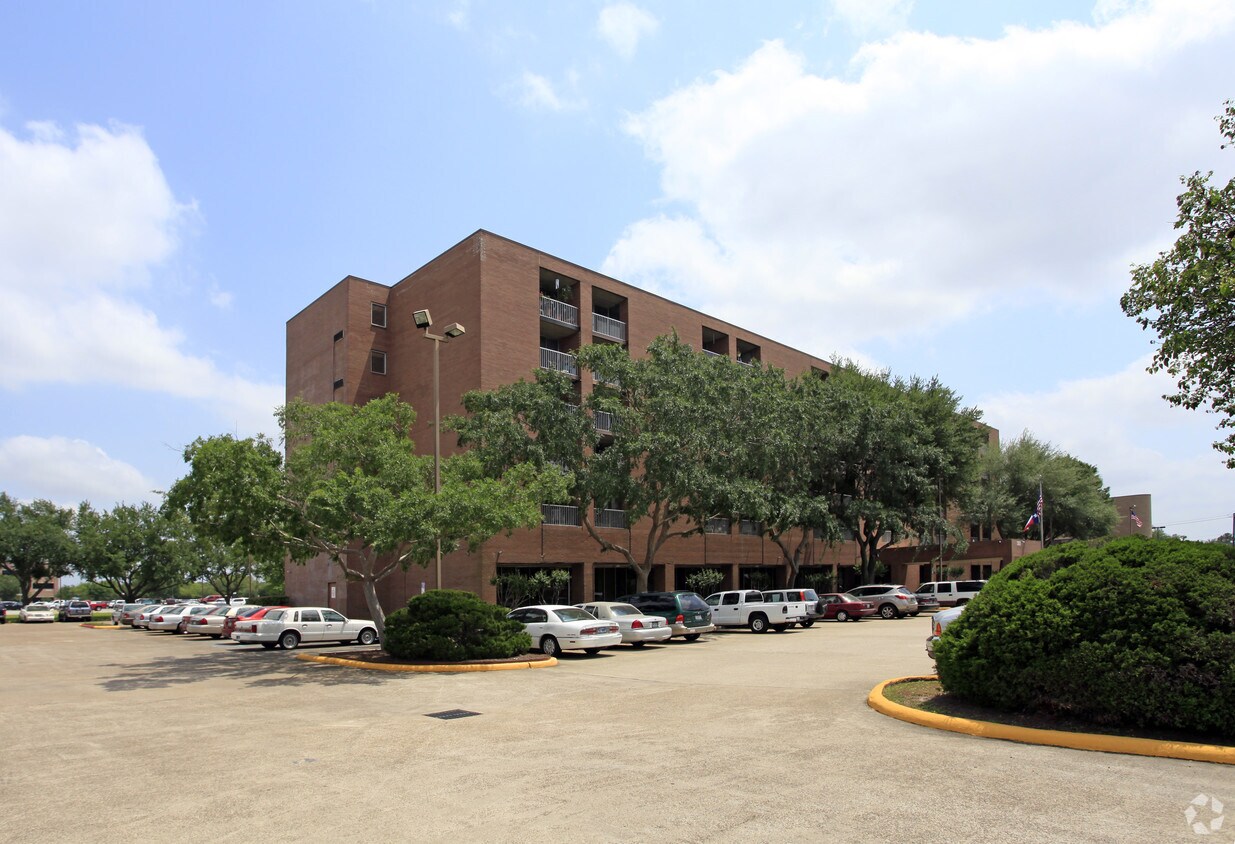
[1036, 518]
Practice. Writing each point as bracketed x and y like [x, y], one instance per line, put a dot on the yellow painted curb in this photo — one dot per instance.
[94, 626]
[429, 669]
[1191, 751]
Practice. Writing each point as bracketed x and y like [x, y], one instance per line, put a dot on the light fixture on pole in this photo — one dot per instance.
[422, 319]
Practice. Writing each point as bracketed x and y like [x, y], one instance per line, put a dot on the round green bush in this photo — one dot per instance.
[1136, 632]
[453, 626]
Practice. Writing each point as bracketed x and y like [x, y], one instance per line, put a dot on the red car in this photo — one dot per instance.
[243, 614]
[845, 607]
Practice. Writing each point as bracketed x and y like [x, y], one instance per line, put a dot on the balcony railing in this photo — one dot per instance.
[558, 361]
[717, 525]
[714, 354]
[613, 329]
[604, 421]
[611, 518]
[615, 382]
[559, 312]
[749, 527]
[559, 514]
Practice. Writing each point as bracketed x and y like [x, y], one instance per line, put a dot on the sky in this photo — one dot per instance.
[952, 188]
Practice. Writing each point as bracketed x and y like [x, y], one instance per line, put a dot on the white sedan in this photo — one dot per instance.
[168, 618]
[290, 626]
[637, 629]
[38, 611]
[556, 628]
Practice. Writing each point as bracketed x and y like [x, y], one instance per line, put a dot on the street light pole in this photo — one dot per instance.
[422, 319]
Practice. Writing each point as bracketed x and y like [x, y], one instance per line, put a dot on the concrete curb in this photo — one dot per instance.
[1190, 751]
[429, 669]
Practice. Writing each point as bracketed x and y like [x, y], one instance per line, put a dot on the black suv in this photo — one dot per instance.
[75, 610]
[687, 613]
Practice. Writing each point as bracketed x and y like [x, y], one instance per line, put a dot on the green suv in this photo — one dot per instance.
[687, 613]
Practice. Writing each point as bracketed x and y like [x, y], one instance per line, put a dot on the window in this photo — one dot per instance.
[310, 615]
[377, 362]
[730, 598]
[379, 315]
[331, 615]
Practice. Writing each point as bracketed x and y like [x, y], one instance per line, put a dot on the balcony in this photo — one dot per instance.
[559, 312]
[559, 362]
[611, 519]
[606, 327]
[717, 525]
[604, 422]
[714, 354]
[560, 514]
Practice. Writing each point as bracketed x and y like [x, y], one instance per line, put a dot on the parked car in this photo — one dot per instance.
[555, 628]
[100, 605]
[238, 614]
[951, 593]
[142, 619]
[168, 618]
[194, 611]
[75, 611]
[209, 623]
[939, 622]
[686, 612]
[37, 611]
[845, 607]
[794, 600]
[637, 628]
[748, 608]
[814, 606]
[125, 613]
[5, 606]
[926, 601]
[291, 626]
[891, 601]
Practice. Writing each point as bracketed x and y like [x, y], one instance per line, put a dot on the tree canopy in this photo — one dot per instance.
[671, 433]
[136, 550]
[352, 488]
[1076, 503]
[36, 543]
[1187, 297]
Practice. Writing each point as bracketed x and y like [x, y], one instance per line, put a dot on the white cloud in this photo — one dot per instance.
[69, 471]
[537, 92]
[942, 179]
[873, 16]
[1139, 443]
[460, 16]
[82, 226]
[623, 25]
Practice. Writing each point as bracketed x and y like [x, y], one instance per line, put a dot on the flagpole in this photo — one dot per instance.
[1041, 516]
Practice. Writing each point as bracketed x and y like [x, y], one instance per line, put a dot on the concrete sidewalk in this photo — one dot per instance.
[737, 737]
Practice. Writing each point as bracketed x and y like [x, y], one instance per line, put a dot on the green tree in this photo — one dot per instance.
[908, 450]
[134, 550]
[671, 432]
[225, 567]
[1187, 297]
[1076, 504]
[352, 488]
[786, 477]
[36, 543]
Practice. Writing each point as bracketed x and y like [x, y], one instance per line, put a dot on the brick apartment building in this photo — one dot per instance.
[524, 309]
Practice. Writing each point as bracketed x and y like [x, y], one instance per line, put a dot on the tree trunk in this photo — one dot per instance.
[642, 574]
[369, 585]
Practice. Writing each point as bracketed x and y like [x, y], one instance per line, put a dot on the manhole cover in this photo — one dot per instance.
[451, 714]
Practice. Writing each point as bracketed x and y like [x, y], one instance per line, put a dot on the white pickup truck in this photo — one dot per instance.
[290, 627]
[747, 608]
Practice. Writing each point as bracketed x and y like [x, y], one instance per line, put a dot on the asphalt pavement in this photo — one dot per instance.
[737, 737]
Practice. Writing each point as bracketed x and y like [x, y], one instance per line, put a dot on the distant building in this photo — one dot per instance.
[1133, 509]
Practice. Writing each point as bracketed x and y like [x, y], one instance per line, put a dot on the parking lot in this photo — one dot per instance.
[737, 737]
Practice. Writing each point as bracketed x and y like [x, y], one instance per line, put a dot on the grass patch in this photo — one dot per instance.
[929, 696]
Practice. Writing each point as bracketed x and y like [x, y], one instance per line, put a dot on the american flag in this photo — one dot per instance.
[1136, 520]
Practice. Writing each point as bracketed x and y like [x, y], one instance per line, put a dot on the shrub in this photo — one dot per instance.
[453, 626]
[1135, 632]
[704, 581]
